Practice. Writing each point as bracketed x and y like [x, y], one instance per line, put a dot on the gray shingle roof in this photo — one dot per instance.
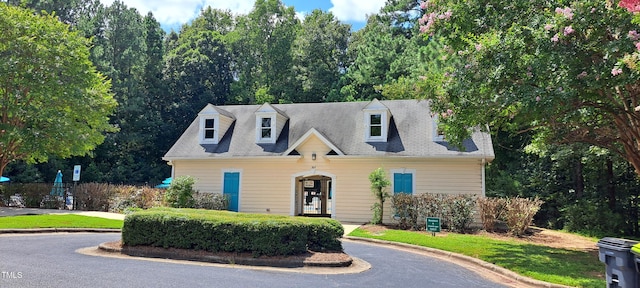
[341, 123]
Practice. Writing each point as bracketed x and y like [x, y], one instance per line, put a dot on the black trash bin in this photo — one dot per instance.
[620, 264]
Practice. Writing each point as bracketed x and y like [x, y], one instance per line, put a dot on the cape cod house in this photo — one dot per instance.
[315, 158]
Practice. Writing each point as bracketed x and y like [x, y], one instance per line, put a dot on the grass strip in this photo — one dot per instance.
[553, 265]
[57, 221]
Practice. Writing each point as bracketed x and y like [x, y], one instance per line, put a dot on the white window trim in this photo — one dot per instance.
[259, 138]
[383, 123]
[404, 171]
[216, 128]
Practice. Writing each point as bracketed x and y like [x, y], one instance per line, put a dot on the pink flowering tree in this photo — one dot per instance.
[551, 67]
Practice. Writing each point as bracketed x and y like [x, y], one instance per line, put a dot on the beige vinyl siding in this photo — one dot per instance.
[225, 123]
[280, 121]
[266, 182]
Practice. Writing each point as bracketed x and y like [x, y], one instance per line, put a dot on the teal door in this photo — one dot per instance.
[403, 183]
[231, 189]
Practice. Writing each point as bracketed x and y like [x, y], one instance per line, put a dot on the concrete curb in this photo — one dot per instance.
[59, 230]
[174, 254]
[470, 260]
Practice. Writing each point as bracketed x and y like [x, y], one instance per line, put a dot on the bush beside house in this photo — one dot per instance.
[457, 211]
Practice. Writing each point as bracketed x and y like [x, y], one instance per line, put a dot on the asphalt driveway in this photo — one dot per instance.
[51, 260]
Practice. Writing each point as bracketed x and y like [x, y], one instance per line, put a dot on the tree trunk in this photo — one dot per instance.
[579, 180]
[611, 186]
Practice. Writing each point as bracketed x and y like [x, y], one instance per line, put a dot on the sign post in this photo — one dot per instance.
[433, 225]
[76, 178]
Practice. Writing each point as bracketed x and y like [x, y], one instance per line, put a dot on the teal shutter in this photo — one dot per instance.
[403, 183]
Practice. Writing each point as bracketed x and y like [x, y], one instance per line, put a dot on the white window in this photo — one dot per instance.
[209, 126]
[209, 129]
[266, 128]
[377, 123]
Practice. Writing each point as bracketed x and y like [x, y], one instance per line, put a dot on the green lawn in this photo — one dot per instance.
[57, 221]
[560, 266]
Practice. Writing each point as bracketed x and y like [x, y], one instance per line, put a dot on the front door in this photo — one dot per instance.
[231, 189]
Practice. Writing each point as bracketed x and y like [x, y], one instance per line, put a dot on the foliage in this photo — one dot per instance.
[319, 54]
[262, 47]
[180, 193]
[126, 198]
[519, 213]
[51, 94]
[231, 232]
[491, 210]
[561, 266]
[455, 211]
[379, 183]
[461, 209]
[94, 196]
[406, 210]
[210, 201]
[578, 217]
[551, 67]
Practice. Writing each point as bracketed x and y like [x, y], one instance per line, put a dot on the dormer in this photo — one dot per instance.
[214, 123]
[376, 121]
[269, 124]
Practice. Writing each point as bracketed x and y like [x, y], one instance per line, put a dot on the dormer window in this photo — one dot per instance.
[269, 124]
[214, 123]
[376, 121]
[266, 129]
[375, 125]
[210, 129]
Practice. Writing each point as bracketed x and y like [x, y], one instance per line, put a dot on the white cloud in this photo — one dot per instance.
[355, 10]
[172, 12]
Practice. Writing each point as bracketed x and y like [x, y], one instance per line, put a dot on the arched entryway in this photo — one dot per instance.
[313, 194]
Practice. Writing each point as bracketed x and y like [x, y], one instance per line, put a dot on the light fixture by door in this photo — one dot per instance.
[313, 156]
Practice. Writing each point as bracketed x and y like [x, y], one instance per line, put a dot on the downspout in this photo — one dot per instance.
[484, 193]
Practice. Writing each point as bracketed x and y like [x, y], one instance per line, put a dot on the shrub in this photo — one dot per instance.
[406, 210]
[180, 193]
[460, 210]
[578, 217]
[224, 231]
[491, 209]
[94, 196]
[379, 184]
[519, 213]
[210, 201]
[133, 197]
[455, 211]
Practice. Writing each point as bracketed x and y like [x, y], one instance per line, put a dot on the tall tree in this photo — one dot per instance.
[319, 56]
[263, 52]
[119, 51]
[197, 70]
[52, 99]
[553, 66]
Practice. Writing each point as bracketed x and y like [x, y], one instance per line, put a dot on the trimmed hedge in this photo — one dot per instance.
[224, 231]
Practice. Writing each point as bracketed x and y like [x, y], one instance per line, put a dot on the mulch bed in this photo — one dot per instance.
[309, 259]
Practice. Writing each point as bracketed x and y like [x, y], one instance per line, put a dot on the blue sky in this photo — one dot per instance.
[174, 13]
